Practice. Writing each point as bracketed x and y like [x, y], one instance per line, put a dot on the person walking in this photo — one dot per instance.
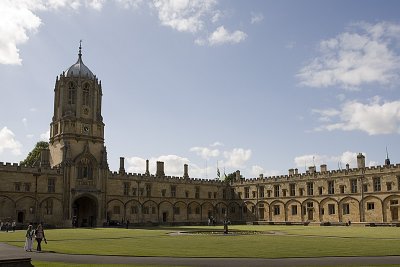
[39, 234]
[13, 225]
[29, 238]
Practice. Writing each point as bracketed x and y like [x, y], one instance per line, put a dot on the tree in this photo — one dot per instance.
[34, 155]
[230, 177]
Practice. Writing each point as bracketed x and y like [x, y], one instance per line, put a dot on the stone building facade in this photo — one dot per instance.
[72, 181]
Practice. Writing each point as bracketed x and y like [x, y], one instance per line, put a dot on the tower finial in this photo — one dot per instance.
[80, 49]
[387, 160]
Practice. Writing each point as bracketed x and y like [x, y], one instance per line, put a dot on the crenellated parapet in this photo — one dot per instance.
[16, 167]
[332, 174]
[165, 178]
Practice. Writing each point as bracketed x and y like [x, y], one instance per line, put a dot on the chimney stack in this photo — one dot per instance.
[147, 168]
[185, 171]
[360, 161]
[237, 175]
[291, 172]
[45, 157]
[323, 168]
[160, 169]
[121, 165]
[311, 169]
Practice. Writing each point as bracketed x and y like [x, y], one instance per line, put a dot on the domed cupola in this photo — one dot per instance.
[79, 69]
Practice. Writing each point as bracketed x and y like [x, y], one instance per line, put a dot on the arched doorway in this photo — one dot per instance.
[84, 212]
[20, 217]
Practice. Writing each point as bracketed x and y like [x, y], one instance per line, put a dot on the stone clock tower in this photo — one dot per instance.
[77, 144]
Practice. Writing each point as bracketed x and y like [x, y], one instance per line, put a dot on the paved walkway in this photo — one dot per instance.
[12, 252]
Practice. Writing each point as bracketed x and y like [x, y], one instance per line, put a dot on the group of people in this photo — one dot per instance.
[34, 234]
[8, 226]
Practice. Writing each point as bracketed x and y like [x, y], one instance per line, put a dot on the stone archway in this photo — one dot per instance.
[84, 212]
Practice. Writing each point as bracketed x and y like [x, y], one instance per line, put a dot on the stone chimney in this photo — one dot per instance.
[311, 169]
[296, 171]
[347, 166]
[121, 165]
[237, 175]
[291, 171]
[185, 171]
[45, 157]
[261, 176]
[160, 169]
[360, 161]
[323, 168]
[147, 168]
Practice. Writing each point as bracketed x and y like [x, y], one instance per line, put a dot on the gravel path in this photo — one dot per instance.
[12, 252]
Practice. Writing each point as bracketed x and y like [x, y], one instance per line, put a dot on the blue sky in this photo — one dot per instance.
[257, 86]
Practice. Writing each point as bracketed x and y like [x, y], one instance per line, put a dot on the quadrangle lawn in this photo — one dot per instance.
[274, 242]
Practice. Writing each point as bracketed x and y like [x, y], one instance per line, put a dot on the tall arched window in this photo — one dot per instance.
[85, 169]
[71, 93]
[86, 95]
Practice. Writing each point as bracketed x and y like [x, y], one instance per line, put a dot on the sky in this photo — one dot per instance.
[257, 86]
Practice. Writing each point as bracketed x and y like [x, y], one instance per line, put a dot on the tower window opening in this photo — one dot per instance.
[86, 95]
[71, 94]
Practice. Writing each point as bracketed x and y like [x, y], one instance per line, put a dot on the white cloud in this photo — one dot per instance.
[7, 141]
[237, 157]
[256, 170]
[134, 4]
[363, 55]
[16, 22]
[173, 166]
[45, 136]
[19, 20]
[256, 18]
[184, 15]
[205, 152]
[95, 4]
[221, 36]
[374, 118]
[216, 143]
[336, 162]
[325, 114]
[30, 136]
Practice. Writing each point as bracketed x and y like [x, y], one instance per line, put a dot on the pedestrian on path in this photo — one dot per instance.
[29, 238]
[39, 234]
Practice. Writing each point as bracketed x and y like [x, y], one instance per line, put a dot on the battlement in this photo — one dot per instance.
[16, 167]
[367, 171]
[171, 179]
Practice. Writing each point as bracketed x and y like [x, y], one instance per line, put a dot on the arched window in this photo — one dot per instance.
[71, 93]
[86, 95]
[85, 169]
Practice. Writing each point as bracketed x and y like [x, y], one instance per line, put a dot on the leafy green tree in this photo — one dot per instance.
[34, 155]
[230, 177]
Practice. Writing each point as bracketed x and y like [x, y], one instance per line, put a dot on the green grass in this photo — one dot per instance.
[281, 242]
